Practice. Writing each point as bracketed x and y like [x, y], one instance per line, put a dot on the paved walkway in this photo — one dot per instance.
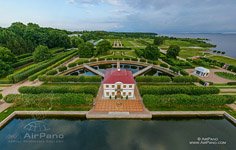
[14, 88]
[106, 108]
[212, 77]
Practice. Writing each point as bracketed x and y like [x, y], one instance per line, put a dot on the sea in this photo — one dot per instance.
[225, 41]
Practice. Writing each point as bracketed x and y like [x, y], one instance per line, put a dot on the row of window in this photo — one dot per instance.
[113, 93]
[124, 86]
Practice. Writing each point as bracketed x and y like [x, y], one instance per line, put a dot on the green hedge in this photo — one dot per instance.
[153, 79]
[87, 89]
[190, 90]
[185, 79]
[24, 56]
[164, 65]
[152, 101]
[49, 100]
[41, 66]
[51, 72]
[231, 83]
[70, 78]
[72, 65]
[66, 57]
[0, 96]
[23, 62]
[62, 68]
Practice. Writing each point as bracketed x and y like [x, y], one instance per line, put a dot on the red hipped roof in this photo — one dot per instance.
[113, 75]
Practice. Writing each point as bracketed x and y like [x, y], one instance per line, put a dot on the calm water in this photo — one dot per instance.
[165, 134]
[224, 42]
[132, 68]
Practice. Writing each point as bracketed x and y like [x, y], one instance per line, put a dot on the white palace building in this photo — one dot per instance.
[118, 84]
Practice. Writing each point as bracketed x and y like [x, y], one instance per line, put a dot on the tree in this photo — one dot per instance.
[151, 52]
[41, 53]
[173, 51]
[86, 50]
[7, 56]
[159, 41]
[103, 47]
[5, 69]
[76, 41]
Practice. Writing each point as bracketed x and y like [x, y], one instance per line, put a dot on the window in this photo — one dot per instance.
[107, 86]
[129, 93]
[113, 86]
[124, 86]
[124, 93]
[130, 86]
[113, 93]
[107, 93]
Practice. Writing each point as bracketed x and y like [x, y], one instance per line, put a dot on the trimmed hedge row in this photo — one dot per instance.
[49, 100]
[24, 55]
[62, 68]
[87, 89]
[190, 90]
[70, 78]
[153, 101]
[63, 58]
[153, 79]
[23, 62]
[41, 66]
[185, 79]
[51, 72]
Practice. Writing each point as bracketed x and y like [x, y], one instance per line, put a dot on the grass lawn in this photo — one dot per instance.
[190, 52]
[227, 60]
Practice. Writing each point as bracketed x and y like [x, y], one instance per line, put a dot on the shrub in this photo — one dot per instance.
[231, 83]
[23, 62]
[0, 96]
[87, 89]
[39, 67]
[152, 101]
[101, 59]
[143, 60]
[153, 79]
[69, 56]
[175, 69]
[51, 72]
[70, 78]
[92, 60]
[134, 59]
[190, 90]
[72, 65]
[183, 72]
[62, 68]
[49, 100]
[185, 79]
[164, 65]
[226, 75]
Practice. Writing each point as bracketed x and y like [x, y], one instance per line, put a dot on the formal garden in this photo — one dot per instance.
[45, 60]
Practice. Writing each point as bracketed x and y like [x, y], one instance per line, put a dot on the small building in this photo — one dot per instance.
[118, 84]
[201, 71]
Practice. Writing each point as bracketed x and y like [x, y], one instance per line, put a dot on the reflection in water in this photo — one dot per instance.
[121, 134]
[132, 68]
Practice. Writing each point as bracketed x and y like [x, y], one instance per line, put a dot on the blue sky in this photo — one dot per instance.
[161, 16]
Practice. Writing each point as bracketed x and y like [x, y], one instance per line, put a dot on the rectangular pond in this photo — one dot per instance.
[159, 134]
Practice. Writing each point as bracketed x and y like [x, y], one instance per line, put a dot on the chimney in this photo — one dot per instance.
[118, 65]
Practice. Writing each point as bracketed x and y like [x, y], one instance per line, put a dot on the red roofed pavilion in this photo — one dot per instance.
[118, 83]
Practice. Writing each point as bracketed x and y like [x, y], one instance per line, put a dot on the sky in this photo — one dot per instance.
[159, 16]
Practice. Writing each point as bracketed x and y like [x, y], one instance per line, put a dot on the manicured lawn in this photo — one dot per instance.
[226, 75]
[190, 52]
[227, 60]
